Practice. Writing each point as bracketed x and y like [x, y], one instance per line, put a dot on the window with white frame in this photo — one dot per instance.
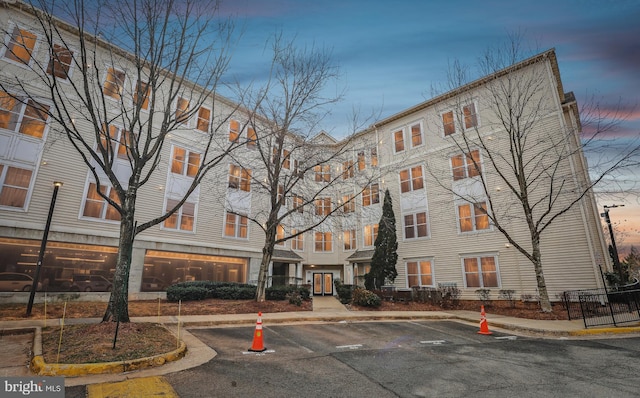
[374, 157]
[323, 241]
[416, 135]
[371, 195]
[239, 178]
[252, 137]
[297, 242]
[298, 202]
[27, 116]
[398, 140]
[348, 204]
[182, 110]
[370, 234]
[183, 219]
[415, 225]
[95, 206]
[113, 83]
[185, 162]
[481, 271]
[14, 186]
[60, 62]
[349, 239]
[470, 116]
[234, 130]
[347, 170]
[280, 235]
[448, 123]
[466, 165]
[235, 226]
[204, 118]
[117, 141]
[361, 161]
[419, 273]
[141, 95]
[286, 159]
[473, 217]
[411, 179]
[19, 46]
[323, 206]
[323, 172]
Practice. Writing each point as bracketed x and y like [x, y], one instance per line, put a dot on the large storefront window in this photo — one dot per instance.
[65, 266]
[162, 269]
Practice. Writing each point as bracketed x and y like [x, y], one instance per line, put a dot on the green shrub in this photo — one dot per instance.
[282, 292]
[186, 293]
[366, 298]
[235, 292]
[345, 292]
[295, 298]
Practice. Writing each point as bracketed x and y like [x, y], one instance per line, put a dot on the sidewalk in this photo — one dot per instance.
[17, 337]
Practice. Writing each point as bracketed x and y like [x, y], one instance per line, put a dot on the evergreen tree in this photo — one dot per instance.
[385, 256]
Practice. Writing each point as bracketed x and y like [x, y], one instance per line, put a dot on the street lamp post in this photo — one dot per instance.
[43, 246]
[614, 248]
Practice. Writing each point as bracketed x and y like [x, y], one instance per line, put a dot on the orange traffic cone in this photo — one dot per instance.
[258, 339]
[484, 326]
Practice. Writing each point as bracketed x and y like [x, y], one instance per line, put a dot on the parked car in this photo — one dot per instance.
[90, 283]
[153, 284]
[15, 282]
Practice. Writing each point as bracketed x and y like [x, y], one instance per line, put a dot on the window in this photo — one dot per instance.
[286, 162]
[349, 238]
[120, 140]
[411, 179]
[480, 271]
[239, 178]
[28, 119]
[415, 225]
[347, 170]
[374, 157]
[182, 110]
[323, 173]
[448, 123]
[185, 162]
[204, 115]
[113, 83]
[370, 234]
[470, 116]
[349, 205]
[419, 273]
[280, 235]
[234, 131]
[252, 137]
[323, 206]
[141, 95]
[297, 203]
[95, 206]
[297, 242]
[235, 226]
[361, 161]
[473, 217]
[280, 195]
[398, 139]
[464, 165]
[60, 62]
[20, 46]
[416, 135]
[14, 186]
[370, 195]
[183, 218]
[323, 241]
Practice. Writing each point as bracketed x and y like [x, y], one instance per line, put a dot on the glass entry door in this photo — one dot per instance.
[323, 284]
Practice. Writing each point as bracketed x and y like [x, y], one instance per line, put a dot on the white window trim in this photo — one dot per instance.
[104, 79]
[415, 226]
[7, 38]
[433, 270]
[236, 237]
[179, 214]
[352, 239]
[374, 235]
[475, 106]
[473, 217]
[187, 122]
[30, 189]
[85, 191]
[404, 140]
[71, 66]
[496, 259]
[410, 170]
[466, 165]
[324, 241]
[422, 135]
[441, 123]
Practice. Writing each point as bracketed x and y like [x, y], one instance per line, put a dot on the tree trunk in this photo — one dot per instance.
[267, 254]
[118, 308]
[545, 304]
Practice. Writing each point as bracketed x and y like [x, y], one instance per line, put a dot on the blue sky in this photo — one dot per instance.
[390, 53]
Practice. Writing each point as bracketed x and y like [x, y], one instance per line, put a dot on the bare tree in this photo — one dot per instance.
[526, 158]
[298, 176]
[122, 77]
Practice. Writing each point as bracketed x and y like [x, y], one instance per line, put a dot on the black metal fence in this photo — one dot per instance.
[599, 307]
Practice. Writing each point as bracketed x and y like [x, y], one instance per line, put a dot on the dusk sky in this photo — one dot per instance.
[390, 53]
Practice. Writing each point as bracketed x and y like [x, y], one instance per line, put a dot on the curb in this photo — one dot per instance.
[40, 367]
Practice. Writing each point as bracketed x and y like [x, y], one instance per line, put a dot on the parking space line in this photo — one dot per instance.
[433, 342]
[350, 346]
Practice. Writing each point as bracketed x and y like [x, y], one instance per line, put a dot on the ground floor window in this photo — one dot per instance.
[162, 269]
[481, 271]
[65, 266]
[420, 273]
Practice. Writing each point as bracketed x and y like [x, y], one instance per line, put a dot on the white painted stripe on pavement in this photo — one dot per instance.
[350, 346]
[434, 342]
[506, 338]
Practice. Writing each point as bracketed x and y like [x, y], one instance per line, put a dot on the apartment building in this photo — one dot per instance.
[444, 232]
